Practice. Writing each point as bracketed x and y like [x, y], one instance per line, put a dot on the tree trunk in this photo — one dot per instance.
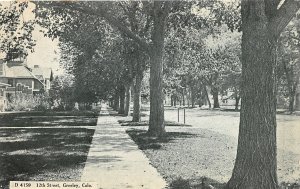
[256, 159]
[127, 100]
[116, 100]
[207, 97]
[122, 100]
[192, 97]
[156, 121]
[183, 98]
[292, 101]
[297, 104]
[188, 99]
[237, 101]
[200, 103]
[215, 93]
[175, 100]
[291, 85]
[203, 96]
[136, 117]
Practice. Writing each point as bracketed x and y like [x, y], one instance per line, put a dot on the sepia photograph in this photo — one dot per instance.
[150, 94]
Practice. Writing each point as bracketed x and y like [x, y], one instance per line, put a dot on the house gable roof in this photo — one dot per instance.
[18, 71]
[42, 73]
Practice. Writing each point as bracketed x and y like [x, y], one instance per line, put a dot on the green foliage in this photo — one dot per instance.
[213, 60]
[92, 53]
[62, 92]
[288, 69]
[95, 53]
[15, 32]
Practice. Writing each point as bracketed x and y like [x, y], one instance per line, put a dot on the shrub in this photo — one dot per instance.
[21, 102]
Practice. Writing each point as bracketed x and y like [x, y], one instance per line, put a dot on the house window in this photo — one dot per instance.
[11, 82]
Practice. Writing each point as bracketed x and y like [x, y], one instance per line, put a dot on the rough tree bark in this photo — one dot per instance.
[192, 97]
[207, 97]
[297, 104]
[122, 100]
[175, 100]
[256, 159]
[237, 101]
[215, 93]
[136, 117]
[292, 82]
[127, 99]
[237, 97]
[292, 101]
[116, 101]
[183, 97]
[156, 121]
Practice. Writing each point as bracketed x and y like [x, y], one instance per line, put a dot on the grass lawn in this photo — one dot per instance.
[174, 163]
[44, 153]
[206, 151]
[31, 119]
[146, 123]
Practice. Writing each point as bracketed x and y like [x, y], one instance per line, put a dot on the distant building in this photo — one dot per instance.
[17, 77]
[44, 75]
[20, 77]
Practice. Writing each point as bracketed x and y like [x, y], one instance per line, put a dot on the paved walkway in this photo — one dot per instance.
[114, 160]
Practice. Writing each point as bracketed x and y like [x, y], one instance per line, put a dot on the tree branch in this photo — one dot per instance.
[277, 2]
[104, 14]
[167, 8]
[271, 7]
[132, 16]
[207, 80]
[297, 38]
[283, 16]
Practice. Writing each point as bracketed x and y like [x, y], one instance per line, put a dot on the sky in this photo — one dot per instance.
[46, 51]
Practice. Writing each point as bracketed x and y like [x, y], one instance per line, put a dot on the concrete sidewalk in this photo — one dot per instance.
[114, 160]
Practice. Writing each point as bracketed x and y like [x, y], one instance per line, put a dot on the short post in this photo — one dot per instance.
[178, 115]
[184, 115]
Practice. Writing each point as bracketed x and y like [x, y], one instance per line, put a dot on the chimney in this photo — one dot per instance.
[36, 66]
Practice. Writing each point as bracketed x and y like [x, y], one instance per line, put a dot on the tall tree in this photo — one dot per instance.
[15, 31]
[289, 63]
[159, 11]
[256, 159]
